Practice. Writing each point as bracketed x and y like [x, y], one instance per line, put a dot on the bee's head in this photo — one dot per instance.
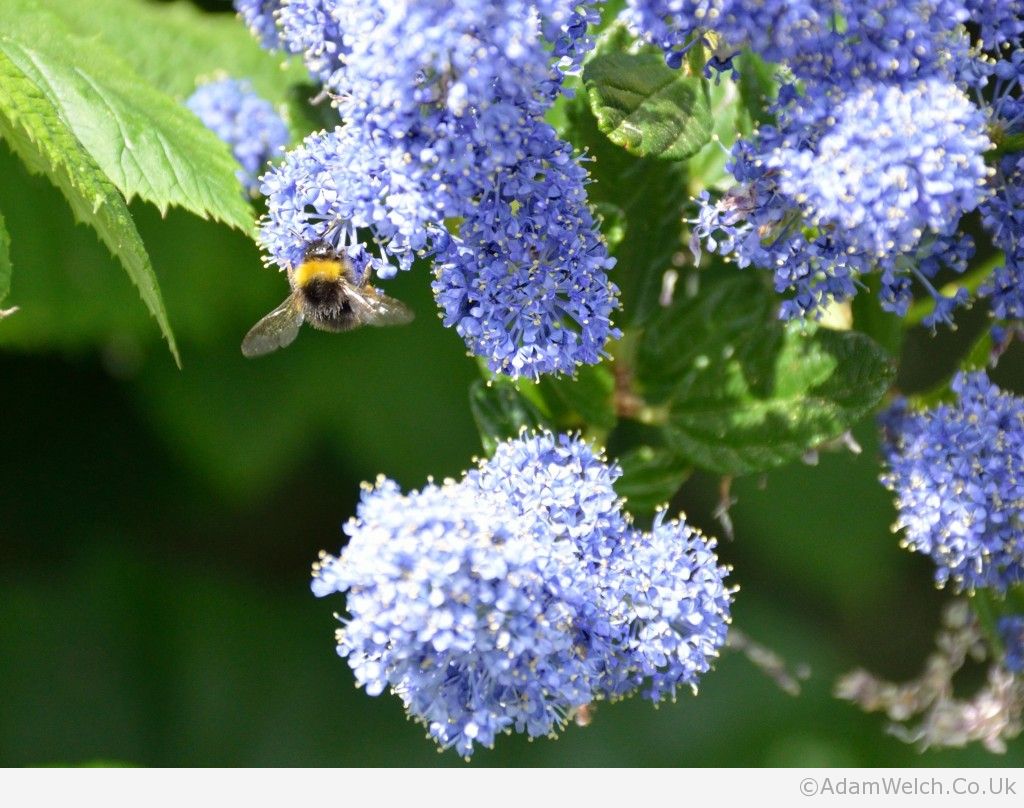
[320, 250]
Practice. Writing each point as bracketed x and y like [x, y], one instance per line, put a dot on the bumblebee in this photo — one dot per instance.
[327, 295]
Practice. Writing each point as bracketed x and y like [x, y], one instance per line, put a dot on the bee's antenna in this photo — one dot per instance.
[333, 226]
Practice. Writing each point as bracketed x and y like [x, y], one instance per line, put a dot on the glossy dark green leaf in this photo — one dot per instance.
[649, 197]
[758, 89]
[501, 412]
[646, 107]
[651, 476]
[744, 392]
[589, 395]
[682, 338]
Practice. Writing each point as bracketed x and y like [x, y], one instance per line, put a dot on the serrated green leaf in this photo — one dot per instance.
[146, 142]
[751, 393]
[646, 107]
[650, 194]
[651, 476]
[175, 45]
[501, 412]
[36, 132]
[980, 356]
[5, 258]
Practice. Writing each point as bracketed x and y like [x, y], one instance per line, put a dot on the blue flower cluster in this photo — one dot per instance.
[821, 40]
[997, 82]
[776, 29]
[1011, 633]
[1003, 216]
[873, 178]
[876, 152]
[259, 16]
[443, 152]
[506, 600]
[248, 123]
[1001, 22]
[958, 474]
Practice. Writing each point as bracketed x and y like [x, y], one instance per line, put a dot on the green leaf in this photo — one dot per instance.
[589, 394]
[615, 36]
[646, 107]
[501, 412]
[986, 609]
[870, 318]
[749, 392]
[649, 196]
[36, 132]
[706, 169]
[176, 45]
[5, 256]
[758, 89]
[651, 476]
[683, 338]
[146, 142]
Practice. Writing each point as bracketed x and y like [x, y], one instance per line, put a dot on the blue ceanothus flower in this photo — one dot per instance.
[869, 166]
[957, 471]
[1003, 217]
[504, 601]
[871, 178]
[1001, 22]
[259, 15]
[524, 282]
[997, 82]
[248, 123]
[824, 40]
[1011, 634]
[776, 29]
[443, 152]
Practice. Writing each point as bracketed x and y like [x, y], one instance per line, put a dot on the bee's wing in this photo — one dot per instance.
[370, 307]
[276, 330]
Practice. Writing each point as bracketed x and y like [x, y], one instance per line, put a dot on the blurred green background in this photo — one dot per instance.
[157, 528]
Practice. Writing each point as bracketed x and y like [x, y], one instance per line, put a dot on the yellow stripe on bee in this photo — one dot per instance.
[317, 269]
